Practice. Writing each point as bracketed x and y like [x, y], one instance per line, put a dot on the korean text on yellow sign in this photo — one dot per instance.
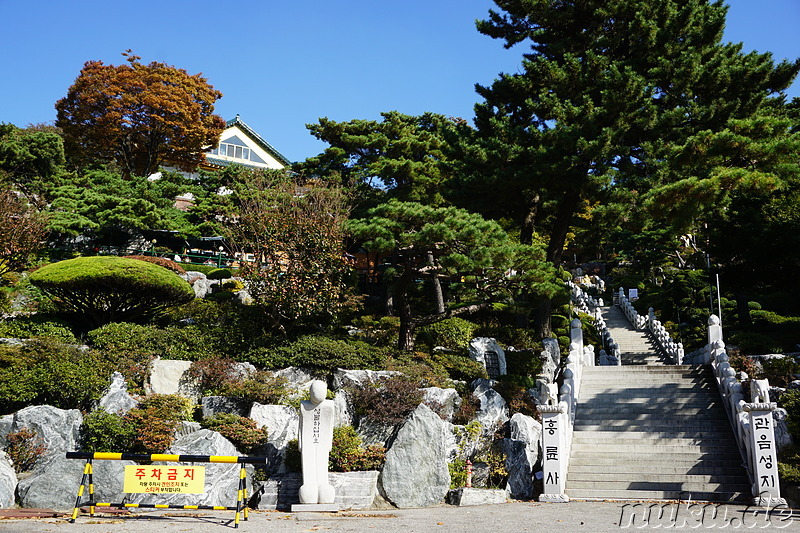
[165, 479]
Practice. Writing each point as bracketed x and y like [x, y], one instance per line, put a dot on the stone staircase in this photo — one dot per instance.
[636, 347]
[649, 431]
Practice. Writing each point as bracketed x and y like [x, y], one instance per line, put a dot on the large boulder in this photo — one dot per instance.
[8, 482]
[551, 359]
[493, 411]
[116, 399]
[343, 409]
[446, 401]
[374, 432]
[415, 473]
[171, 377]
[54, 483]
[213, 405]
[522, 455]
[359, 378]
[59, 429]
[782, 436]
[222, 479]
[490, 354]
[5, 428]
[282, 423]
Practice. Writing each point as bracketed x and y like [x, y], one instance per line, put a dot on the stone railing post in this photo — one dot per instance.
[576, 335]
[554, 450]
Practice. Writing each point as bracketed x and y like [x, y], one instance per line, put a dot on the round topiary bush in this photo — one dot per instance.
[100, 290]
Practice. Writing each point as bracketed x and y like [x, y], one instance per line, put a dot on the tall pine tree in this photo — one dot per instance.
[612, 95]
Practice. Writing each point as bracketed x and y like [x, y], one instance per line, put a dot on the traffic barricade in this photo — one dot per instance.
[162, 479]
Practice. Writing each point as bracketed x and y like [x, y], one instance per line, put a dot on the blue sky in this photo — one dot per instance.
[281, 65]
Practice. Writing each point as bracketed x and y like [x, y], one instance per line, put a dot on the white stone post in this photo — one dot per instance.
[315, 437]
[554, 452]
[576, 335]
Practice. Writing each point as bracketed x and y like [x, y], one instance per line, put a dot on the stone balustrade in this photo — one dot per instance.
[583, 301]
[753, 423]
[671, 349]
[558, 418]
[610, 355]
[637, 321]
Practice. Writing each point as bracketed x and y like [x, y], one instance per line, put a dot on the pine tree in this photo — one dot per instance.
[612, 95]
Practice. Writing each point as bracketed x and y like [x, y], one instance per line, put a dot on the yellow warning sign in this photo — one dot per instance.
[165, 479]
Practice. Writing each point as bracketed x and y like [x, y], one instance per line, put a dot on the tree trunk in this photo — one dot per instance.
[405, 340]
[529, 222]
[437, 286]
[561, 225]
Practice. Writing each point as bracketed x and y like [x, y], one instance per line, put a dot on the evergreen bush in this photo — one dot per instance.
[452, 333]
[102, 289]
[320, 353]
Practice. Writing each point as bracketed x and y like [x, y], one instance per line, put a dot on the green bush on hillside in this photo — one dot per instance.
[25, 327]
[45, 371]
[320, 353]
[452, 333]
[99, 290]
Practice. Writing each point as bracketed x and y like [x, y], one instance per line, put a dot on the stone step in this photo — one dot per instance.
[666, 403]
[633, 459]
[637, 495]
[674, 486]
[640, 438]
[578, 480]
[684, 452]
[722, 468]
[684, 432]
[629, 410]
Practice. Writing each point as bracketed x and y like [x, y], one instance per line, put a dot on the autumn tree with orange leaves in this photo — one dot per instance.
[140, 116]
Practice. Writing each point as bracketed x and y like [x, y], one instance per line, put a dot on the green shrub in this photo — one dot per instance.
[160, 261]
[377, 330]
[460, 367]
[146, 341]
[789, 464]
[219, 273]
[458, 473]
[348, 453]
[389, 401]
[44, 371]
[452, 333]
[37, 326]
[524, 362]
[780, 372]
[790, 400]
[293, 460]
[240, 430]
[102, 289]
[24, 448]
[106, 432]
[516, 397]
[320, 353]
[755, 343]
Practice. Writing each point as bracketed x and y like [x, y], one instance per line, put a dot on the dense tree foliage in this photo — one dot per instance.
[400, 154]
[140, 116]
[100, 290]
[295, 233]
[617, 101]
[448, 243]
[31, 158]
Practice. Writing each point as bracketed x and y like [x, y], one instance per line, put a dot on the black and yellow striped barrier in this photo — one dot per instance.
[88, 483]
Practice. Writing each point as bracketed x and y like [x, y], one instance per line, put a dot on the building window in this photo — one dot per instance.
[231, 150]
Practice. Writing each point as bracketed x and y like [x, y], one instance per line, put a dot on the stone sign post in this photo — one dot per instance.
[553, 453]
[766, 489]
[315, 439]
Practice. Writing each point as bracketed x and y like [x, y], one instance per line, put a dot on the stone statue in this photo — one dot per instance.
[315, 440]
[759, 391]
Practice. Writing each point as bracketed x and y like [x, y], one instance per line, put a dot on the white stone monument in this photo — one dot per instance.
[315, 439]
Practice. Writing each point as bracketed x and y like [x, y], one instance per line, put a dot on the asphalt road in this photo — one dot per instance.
[571, 517]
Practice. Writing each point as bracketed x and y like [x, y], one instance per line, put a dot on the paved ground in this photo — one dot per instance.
[591, 517]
